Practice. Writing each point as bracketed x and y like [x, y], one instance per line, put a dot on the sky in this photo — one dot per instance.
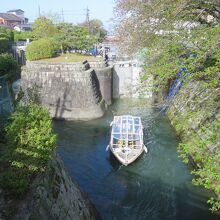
[73, 10]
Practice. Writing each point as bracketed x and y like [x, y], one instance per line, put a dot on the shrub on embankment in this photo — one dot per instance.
[194, 113]
[183, 38]
[40, 49]
[29, 145]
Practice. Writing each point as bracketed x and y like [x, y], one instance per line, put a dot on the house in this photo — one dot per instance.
[20, 14]
[9, 20]
[15, 19]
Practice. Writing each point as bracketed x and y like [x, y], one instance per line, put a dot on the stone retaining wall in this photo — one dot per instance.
[195, 115]
[194, 108]
[98, 64]
[105, 77]
[80, 91]
[54, 196]
[69, 90]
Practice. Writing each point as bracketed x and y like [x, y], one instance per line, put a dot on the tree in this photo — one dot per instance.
[9, 66]
[6, 35]
[43, 28]
[53, 16]
[4, 45]
[74, 36]
[23, 35]
[178, 34]
[40, 49]
[64, 37]
[30, 145]
[137, 22]
[81, 38]
[96, 28]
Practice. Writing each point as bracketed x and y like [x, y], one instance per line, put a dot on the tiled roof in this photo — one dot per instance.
[10, 17]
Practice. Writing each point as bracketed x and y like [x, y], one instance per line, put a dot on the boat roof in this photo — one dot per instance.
[127, 127]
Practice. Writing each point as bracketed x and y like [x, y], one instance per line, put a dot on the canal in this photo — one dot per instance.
[157, 186]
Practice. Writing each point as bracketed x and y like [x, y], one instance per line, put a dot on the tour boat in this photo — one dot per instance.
[126, 141]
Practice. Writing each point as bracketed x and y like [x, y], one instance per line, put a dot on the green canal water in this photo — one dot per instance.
[157, 186]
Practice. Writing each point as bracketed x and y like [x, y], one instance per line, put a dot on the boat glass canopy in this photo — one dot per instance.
[127, 127]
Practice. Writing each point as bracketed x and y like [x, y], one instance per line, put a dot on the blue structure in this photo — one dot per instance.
[94, 51]
[177, 84]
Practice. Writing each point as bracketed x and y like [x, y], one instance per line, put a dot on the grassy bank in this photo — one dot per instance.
[72, 57]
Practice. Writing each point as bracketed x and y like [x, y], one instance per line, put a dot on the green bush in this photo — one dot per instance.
[4, 45]
[206, 173]
[6, 33]
[8, 65]
[40, 49]
[29, 146]
[22, 35]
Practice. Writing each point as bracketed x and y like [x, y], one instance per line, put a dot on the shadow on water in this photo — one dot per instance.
[155, 187]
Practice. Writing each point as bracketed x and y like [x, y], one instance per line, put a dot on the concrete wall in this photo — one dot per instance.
[69, 90]
[127, 80]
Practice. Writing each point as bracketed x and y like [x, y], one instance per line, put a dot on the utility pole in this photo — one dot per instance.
[87, 19]
[62, 15]
[39, 11]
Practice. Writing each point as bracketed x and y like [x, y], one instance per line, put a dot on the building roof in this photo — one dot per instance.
[10, 17]
[16, 10]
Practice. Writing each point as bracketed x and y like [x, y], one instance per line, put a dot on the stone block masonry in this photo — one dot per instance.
[71, 91]
[195, 115]
[104, 74]
[194, 108]
[81, 91]
[54, 196]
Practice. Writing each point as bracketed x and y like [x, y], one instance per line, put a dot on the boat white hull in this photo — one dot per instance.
[126, 142]
[130, 157]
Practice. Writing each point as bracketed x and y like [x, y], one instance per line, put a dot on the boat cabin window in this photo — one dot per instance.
[127, 130]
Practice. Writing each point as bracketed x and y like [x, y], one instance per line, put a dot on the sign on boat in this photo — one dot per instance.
[126, 141]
